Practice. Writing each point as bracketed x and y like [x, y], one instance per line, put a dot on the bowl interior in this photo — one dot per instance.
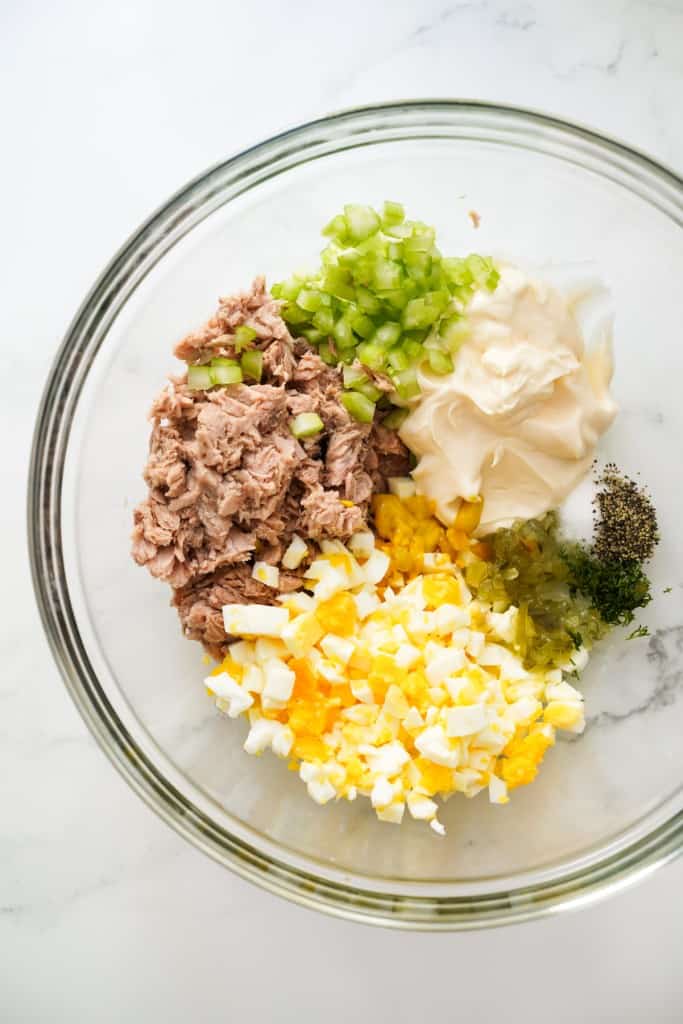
[593, 793]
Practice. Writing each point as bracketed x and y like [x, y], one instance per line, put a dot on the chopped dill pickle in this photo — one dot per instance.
[529, 569]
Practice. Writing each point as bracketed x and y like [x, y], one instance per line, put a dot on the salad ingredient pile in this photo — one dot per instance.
[352, 492]
[393, 695]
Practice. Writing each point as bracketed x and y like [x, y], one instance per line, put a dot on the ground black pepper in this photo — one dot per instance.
[625, 528]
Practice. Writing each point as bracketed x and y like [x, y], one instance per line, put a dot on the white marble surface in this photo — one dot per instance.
[106, 108]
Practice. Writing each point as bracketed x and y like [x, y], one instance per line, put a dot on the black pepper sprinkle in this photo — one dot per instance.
[625, 521]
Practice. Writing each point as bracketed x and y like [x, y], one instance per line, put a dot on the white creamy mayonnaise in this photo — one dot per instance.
[517, 420]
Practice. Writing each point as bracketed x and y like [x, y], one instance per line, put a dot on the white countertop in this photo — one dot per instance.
[105, 914]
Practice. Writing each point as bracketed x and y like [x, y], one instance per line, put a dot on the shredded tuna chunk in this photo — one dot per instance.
[228, 480]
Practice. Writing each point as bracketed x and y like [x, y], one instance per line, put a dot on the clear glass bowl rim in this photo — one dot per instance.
[527, 129]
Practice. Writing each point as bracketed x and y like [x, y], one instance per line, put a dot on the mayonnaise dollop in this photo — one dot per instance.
[517, 420]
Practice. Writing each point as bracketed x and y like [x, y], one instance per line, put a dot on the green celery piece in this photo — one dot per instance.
[371, 355]
[398, 298]
[353, 375]
[456, 270]
[199, 378]
[293, 315]
[306, 424]
[338, 282]
[252, 364]
[368, 389]
[360, 407]
[440, 363]
[387, 335]
[224, 375]
[398, 360]
[367, 301]
[492, 280]
[326, 354]
[406, 383]
[392, 214]
[454, 331]
[223, 361]
[361, 324]
[400, 231]
[244, 336]
[395, 419]
[323, 321]
[348, 257]
[336, 228]
[343, 334]
[387, 275]
[362, 221]
[309, 299]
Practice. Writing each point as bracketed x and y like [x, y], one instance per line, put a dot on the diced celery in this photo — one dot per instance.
[372, 355]
[492, 280]
[418, 261]
[223, 361]
[293, 315]
[306, 424]
[244, 336]
[224, 375]
[395, 419]
[199, 378]
[353, 375]
[362, 324]
[456, 270]
[368, 389]
[392, 213]
[252, 364]
[326, 354]
[412, 348]
[415, 314]
[313, 335]
[387, 335]
[384, 294]
[360, 407]
[422, 241]
[454, 332]
[323, 321]
[338, 282]
[309, 299]
[399, 230]
[406, 383]
[398, 298]
[367, 301]
[287, 290]
[440, 363]
[343, 334]
[387, 275]
[336, 228]
[348, 257]
[398, 360]
[362, 221]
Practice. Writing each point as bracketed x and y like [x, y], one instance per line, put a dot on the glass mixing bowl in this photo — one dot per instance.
[606, 807]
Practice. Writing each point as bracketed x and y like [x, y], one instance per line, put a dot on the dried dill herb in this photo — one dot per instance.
[638, 632]
[615, 589]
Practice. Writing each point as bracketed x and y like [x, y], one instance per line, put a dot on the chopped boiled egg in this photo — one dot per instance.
[266, 574]
[393, 686]
[295, 553]
[254, 619]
